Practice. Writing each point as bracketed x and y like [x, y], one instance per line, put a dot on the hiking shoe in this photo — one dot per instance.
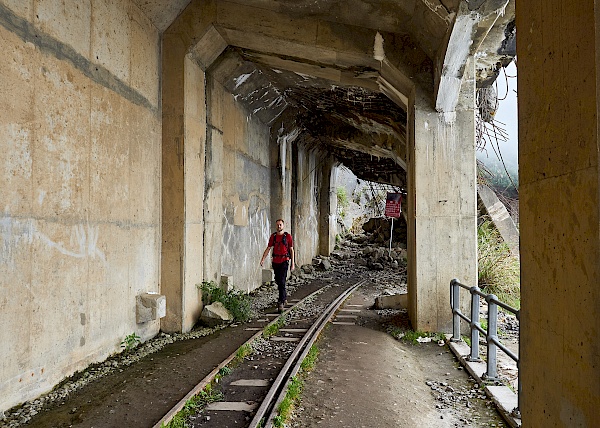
[280, 307]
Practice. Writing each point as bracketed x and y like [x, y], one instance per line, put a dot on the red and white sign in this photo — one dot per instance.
[393, 204]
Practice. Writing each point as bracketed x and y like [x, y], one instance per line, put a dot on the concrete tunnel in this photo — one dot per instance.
[150, 145]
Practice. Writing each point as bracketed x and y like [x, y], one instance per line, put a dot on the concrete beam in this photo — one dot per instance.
[471, 25]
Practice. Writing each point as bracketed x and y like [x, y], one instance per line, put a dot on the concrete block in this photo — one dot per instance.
[150, 306]
[226, 282]
[395, 301]
[267, 275]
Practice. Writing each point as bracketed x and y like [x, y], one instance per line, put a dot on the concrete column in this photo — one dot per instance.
[281, 176]
[558, 51]
[213, 198]
[184, 124]
[442, 238]
[327, 207]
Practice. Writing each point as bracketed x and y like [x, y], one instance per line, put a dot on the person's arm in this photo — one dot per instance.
[265, 254]
[292, 254]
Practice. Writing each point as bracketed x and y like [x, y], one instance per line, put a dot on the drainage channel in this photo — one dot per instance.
[250, 388]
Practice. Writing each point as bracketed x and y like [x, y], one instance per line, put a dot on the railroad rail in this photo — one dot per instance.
[266, 411]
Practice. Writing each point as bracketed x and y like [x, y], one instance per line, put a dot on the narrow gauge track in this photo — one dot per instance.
[259, 383]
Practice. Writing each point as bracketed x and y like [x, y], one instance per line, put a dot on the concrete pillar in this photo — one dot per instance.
[442, 205]
[184, 133]
[558, 51]
[281, 176]
[327, 207]
[213, 198]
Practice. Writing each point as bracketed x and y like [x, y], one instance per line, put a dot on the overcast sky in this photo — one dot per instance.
[506, 115]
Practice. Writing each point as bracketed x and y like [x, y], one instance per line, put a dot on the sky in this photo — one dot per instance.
[506, 116]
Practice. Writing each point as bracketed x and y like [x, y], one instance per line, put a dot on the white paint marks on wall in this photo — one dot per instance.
[15, 233]
[239, 81]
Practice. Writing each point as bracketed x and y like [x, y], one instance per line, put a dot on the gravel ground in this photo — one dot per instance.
[385, 269]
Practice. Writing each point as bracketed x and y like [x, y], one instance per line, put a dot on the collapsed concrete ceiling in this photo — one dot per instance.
[340, 70]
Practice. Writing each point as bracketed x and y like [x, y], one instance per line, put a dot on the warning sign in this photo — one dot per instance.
[393, 205]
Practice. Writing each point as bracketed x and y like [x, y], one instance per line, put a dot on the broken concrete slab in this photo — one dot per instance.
[395, 301]
[215, 314]
[500, 216]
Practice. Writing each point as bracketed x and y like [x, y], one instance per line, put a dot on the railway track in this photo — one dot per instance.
[251, 392]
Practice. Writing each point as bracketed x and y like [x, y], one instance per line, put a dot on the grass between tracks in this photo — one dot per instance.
[292, 397]
[273, 329]
[208, 395]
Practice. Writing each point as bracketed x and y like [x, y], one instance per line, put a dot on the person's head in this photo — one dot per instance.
[279, 224]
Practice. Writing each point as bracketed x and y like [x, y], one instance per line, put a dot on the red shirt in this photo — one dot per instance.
[280, 251]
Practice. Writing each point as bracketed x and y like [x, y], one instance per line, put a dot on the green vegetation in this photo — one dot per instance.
[287, 405]
[242, 352]
[131, 341]
[193, 405]
[273, 329]
[342, 202]
[308, 364]
[225, 371]
[498, 269]
[235, 301]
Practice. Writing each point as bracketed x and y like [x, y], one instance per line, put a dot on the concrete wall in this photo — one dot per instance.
[559, 72]
[80, 173]
[246, 193]
[305, 208]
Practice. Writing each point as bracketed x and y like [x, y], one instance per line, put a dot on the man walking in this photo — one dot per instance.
[283, 252]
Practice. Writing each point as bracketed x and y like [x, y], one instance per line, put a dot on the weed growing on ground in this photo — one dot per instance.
[498, 269]
[273, 329]
[242, 352]
[131, 341]
[413, 337]
[193, 405]
[225, 371]
[235, 301]
[308, 364]
[287, 405]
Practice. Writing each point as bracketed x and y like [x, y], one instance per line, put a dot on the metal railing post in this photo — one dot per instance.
[474, 323]
[455, 305]
[492, 337]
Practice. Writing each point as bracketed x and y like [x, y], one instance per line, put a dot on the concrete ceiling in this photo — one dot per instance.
[341, 70]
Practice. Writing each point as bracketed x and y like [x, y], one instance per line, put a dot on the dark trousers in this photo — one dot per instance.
[281, 270]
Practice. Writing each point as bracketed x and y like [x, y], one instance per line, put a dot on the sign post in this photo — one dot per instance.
[393, 208]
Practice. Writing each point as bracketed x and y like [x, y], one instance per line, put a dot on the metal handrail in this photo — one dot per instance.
[491, 334]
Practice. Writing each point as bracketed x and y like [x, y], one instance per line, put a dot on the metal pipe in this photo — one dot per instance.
[492, 338]
[454, 301]
[474, 324]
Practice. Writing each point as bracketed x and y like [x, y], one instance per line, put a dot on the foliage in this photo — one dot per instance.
[243, 351]
[235, 301]
[225, 371]
[342, 201]
[273, 329]
[193, 405]
[498, 269]
[411, 336]
[287, 405]
[308, 364]
[131, 341]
